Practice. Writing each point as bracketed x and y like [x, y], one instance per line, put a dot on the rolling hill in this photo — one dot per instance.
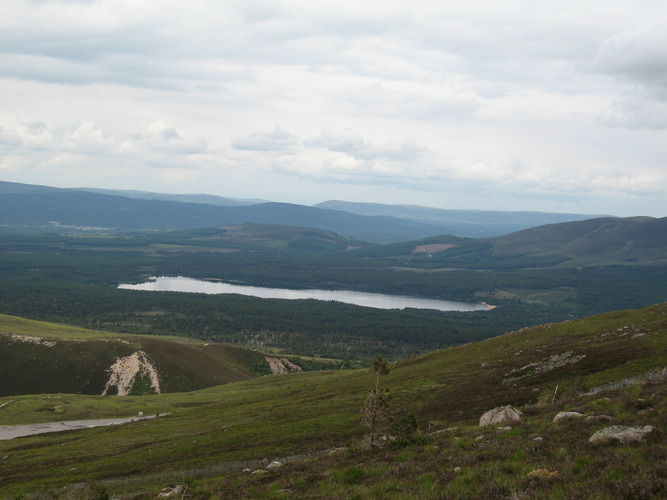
[594, 241]
[66, 359]
[26, 206]
[30, 206]
[602, 241]
[609, 367]
[206, 199]
[467, 223]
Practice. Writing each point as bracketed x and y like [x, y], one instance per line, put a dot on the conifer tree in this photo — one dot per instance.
[374, 410]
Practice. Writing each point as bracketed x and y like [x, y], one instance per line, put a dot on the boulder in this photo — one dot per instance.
[565, 415]
[171, 491]
[500, 415]
[622, 434]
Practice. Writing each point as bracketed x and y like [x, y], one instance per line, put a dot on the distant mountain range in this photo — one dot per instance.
[470, 223]
[207, 199]
[33, 206]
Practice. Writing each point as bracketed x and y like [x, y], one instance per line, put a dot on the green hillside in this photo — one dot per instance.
[603, 241]
[211, 432]
[592, 242]
[40, 357]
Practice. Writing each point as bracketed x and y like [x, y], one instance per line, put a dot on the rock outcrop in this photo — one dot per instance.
[500, 415]
[566, 415]
[622, 434]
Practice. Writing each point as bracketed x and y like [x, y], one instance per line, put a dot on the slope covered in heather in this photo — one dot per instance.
[540, 370]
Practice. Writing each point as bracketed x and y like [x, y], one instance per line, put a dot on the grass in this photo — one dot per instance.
[273, 417]
[76, 360]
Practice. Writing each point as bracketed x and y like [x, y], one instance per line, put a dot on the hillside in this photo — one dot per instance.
[467, 223]
[186, 198]
[40, 207]
[216, 433]
[66, 359]
[591, 242]
[602, 241]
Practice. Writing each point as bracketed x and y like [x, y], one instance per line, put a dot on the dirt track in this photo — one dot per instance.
[14, 431]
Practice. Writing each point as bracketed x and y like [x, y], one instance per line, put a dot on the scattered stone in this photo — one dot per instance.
[279, 366]
[538, 438]
[566, 415]
[480, 437]
[504, 428]
[622, 434]
[259, 471]
[457, 469]
[274, 464]
[171, 491]
[500, 415]
[546, 365]
[637, 336]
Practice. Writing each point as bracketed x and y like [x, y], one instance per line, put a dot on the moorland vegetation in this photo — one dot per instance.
[579, 325]
[212, 435]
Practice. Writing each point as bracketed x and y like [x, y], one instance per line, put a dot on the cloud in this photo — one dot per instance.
[355, 146]
[162, 137]
[564, 98]
[637, 113]
[277, 139]
[639, 55]
[27, 134]
[88, 139]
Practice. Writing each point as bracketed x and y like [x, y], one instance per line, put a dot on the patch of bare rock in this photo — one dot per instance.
[124, 372]
[279, 366]
[622, 434]
[500, 415]
[568, 415]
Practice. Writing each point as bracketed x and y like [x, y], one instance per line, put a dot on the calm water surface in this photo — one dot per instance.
[377, 300]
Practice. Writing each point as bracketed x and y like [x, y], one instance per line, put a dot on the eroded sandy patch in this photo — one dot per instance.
[124, 372]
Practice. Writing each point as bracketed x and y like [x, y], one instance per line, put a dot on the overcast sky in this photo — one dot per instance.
[515, 105]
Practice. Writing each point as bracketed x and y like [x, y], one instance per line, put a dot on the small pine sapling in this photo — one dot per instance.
[374, 411]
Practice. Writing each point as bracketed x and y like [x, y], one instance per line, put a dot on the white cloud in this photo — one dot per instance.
[637, 113]
[563, 99]
[88, 139]
[355, 146]
[278, 139]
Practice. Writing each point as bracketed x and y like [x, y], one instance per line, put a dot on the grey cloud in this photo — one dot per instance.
[278, 139]
[355, 146]
[639, 55]
[443, 104]
[8, 138]
[638, 113]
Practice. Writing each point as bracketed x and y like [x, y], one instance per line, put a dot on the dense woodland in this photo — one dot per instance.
[73, 278]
